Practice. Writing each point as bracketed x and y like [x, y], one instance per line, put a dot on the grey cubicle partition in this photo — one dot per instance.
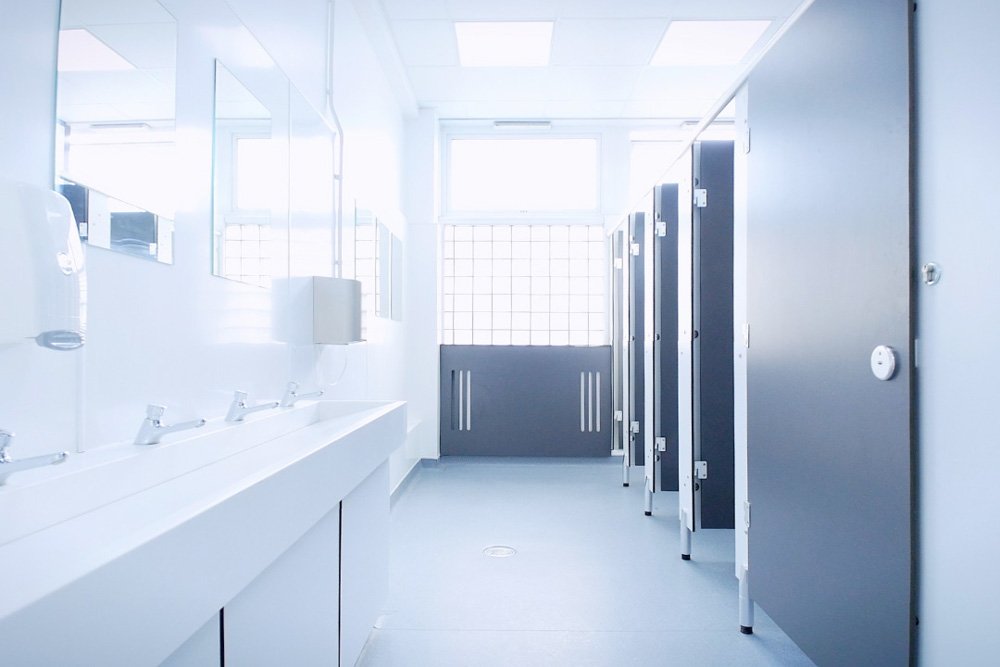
[665, 215]
[637, 319]
[512, 400]
[712, 169]
[828, 251]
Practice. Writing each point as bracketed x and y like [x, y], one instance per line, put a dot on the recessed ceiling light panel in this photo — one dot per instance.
[504, 43]
[688, 43]
[80, 51]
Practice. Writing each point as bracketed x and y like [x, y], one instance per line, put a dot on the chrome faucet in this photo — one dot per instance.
[9, 466]
[239, 409]
[153, 429]
[292, 395]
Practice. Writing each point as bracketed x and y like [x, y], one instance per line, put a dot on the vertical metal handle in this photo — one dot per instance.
[590, 401]
[583, 413]
[463, 390]
[468, 400]
[461, 400]
[598, 402]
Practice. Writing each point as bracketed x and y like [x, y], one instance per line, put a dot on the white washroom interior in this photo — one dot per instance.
[177, 335]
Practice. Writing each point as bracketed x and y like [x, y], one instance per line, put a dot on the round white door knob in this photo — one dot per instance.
[883, 362]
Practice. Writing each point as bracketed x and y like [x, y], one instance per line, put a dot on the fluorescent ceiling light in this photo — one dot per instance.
[80, 51]
[504, 43]
[707, 42]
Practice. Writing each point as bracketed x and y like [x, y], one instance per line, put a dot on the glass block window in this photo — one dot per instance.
[524, 285]
[366, 270]
[247, 254]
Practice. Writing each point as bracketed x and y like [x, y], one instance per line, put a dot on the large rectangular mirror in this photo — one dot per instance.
[115, 111]
[245, 179]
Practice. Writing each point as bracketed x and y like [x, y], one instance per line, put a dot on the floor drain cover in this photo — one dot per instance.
[499, 552]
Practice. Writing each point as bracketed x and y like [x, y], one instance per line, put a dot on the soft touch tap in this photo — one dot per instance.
[239, 408]
[153, 429]
[292, 395]
[8, 466]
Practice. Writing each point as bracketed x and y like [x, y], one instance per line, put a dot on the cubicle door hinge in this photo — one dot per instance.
[701, 469]
[661, 229]
[700, 197]
[634, 249]
[619, 416]
[634, 427]
[746, 513]
[746, 334]
[661, 444]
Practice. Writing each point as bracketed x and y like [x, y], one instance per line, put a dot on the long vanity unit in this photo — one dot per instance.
[262, 541]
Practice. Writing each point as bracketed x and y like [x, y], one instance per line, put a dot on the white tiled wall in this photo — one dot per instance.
[175, 334]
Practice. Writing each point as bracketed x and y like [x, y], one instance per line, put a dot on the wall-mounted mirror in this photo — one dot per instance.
[367, 262]
[115, 113]
[396, 271]
[246, 178]
[378, 265]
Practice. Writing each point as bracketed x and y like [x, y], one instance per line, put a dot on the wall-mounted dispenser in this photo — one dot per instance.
[336, 311]
[41, 261]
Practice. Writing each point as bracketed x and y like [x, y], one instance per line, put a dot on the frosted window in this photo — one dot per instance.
[537, 297]
[523, 175]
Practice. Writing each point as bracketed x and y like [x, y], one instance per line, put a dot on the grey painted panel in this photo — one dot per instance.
[665, 210]
[637, 319]
[828, 280]
[714, 173]
[525, 400]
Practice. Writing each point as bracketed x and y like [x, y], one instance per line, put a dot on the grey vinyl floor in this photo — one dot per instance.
[594, 582]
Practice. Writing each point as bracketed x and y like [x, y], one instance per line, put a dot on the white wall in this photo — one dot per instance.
[175, 334]
[422, 203]
[958, 141]
[38, 394]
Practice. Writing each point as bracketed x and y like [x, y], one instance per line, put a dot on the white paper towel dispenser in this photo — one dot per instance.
[42, 278]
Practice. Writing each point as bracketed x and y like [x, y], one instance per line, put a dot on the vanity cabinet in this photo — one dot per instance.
[257, 544]
[289, 615]
[322, 596]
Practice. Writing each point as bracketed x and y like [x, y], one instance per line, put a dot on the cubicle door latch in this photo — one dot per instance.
[661, 229]
[701, 469]
[661, 444]
[634, 427]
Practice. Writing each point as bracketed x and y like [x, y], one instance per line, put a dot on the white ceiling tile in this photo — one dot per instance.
[665, 83]
[81, 13]
[606, 41]
[417, 9]
[503, 10]
[146, 45]
[426, 43]
[717, 9]
[689, 107]
[595, 83]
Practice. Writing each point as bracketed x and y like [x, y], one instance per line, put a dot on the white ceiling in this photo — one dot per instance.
[599, 65]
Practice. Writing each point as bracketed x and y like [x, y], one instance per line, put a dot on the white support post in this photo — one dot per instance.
[746, 603]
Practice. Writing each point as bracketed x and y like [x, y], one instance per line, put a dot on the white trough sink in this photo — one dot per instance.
[148, 539]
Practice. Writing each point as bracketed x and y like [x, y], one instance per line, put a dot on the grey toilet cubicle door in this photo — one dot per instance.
[712, 169]
[828, 252]
[665, 213]
[510, 400]
[636, 310]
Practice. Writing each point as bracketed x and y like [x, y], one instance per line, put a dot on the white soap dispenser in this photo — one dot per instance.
[43, 282]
